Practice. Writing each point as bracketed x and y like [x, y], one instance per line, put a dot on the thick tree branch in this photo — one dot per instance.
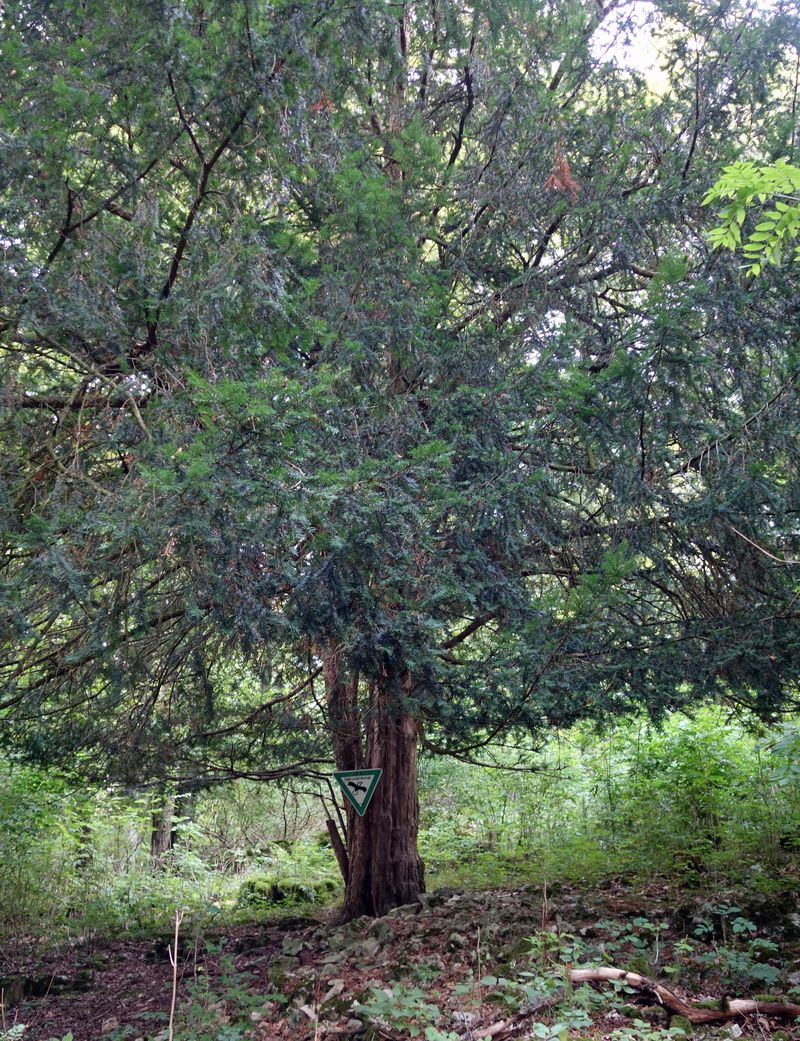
[467, 631]
[468, 107]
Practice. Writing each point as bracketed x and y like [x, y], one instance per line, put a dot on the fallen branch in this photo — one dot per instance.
[733, 1009]
[507, 1029]
[511, 1028]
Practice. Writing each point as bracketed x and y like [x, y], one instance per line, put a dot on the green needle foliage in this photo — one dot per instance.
[389, 331]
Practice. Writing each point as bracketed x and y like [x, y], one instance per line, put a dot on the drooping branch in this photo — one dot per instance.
[308, 769]
[696, 461]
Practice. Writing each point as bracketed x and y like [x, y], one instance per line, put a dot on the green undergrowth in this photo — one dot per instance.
[703, 799]
[260, 891]
[538, 979]
[706, 801]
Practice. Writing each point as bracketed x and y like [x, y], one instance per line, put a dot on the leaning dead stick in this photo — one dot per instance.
[173, 957]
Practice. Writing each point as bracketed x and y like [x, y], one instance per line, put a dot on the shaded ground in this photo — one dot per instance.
[299, 978]
[93, 989]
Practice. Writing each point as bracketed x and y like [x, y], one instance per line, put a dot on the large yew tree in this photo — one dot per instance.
[369, 384]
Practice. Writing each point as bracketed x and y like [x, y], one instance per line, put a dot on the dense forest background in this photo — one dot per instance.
[701, 800]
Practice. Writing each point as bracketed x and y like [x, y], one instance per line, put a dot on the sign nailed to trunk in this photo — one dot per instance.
[359, 787]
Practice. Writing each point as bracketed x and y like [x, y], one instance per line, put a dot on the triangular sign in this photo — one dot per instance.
[359, 787]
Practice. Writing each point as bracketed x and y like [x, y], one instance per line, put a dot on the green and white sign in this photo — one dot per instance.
[359, 787]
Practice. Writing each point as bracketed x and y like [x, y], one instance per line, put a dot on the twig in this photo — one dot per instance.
[186, 124]
[766, 552]
[173, 957]
[480, 970]
[138, 417]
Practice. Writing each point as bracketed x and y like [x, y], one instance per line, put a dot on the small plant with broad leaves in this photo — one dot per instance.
[745, 967]
[742, 956]
[640, 1030]
[13, 1033]
[544, 987]
[555, 1031]
[407, 1010]
[17, 1033]
[206, 1016]
[773, 191]
[551, 947]
[434, 1034]
[399, 1007]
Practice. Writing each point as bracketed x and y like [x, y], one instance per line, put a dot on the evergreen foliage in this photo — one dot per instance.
[390, 334]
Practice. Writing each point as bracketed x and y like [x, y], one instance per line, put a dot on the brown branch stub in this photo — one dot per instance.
[119, 211]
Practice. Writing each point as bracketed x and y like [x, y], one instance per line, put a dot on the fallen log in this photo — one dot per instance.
[731, 1009]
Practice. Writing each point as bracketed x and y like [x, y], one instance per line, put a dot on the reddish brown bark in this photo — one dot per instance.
[344, 721]
[383, 868]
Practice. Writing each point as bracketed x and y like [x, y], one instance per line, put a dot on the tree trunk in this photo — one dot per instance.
[383, 868]
[184, 810]
[161, 829]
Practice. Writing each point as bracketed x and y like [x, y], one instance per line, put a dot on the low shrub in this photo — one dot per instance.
[268, 890]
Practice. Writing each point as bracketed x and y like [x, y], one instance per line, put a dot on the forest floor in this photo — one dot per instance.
[462, 966]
